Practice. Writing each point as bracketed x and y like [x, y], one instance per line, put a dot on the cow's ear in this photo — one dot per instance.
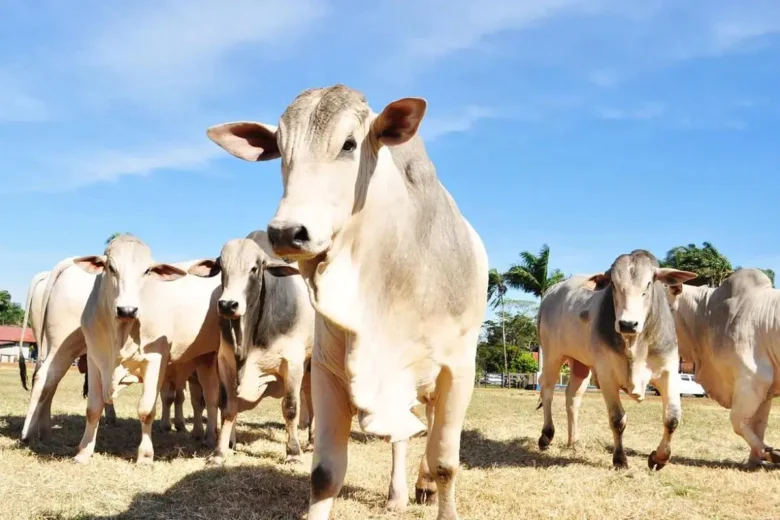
[669, 276]
[598, 281]
[246, 140]
[166, 272]
[207, 268]
[399, 121]
[95, 264]
[280, 269]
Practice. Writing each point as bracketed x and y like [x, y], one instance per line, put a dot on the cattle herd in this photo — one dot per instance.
[365, 297]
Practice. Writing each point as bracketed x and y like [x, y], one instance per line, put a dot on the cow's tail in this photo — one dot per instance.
[39, 331]
[30, 291]
[85, 388]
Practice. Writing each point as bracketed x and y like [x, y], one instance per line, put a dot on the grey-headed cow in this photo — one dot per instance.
[620, 324]
[267, 335]
[134, 322]
[396, 274]
[732, 334]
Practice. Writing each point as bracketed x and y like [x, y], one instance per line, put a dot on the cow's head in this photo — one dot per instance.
[126, 265]
[242, 263]
[323, 139]
[632, 278]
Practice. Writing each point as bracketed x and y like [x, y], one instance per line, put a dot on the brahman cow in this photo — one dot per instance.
[732, 334]
[55, 318]
[267, 335]
[619, 323]
[137, 321]
[396, 274]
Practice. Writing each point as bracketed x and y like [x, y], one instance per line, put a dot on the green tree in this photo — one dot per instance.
[710, 264]
[771, 274]
[10, 313]
[532, 274]
[496, 290]
[525, 363]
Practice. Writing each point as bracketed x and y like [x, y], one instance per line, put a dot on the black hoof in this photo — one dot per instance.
[653, 463]
[773, 455]
[544, 442]
[425, 497]
[619, 461]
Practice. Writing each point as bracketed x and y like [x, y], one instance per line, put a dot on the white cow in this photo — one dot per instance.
[625, 331]
[267, 335]
[55, 318]
[134, 322]
[732, 334]
[396, 274]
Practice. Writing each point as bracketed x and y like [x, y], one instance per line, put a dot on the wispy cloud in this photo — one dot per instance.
[647, 111]
[435, 127]
[177, 48]
[17, 105]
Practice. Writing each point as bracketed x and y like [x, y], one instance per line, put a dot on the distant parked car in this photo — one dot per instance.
[688, 386]
[492, 379]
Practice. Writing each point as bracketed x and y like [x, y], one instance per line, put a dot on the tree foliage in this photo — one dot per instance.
[532, 274]
[521, 338]
[706, 261]
[113, 236]
[10, 313]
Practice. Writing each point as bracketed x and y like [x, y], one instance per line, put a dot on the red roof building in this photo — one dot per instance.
[11, 335]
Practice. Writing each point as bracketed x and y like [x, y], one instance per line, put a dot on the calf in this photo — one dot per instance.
[620, 324]
[732, 334]
[396, 274]
[267, 328]
[135, 323]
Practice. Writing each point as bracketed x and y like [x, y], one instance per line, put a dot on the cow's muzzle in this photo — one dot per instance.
[228, 309]
[126, 313]
[288, 238]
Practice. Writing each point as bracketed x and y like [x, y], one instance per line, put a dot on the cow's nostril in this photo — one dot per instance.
[301, 234]
[227, 307]
[126, 312]
[628, 326]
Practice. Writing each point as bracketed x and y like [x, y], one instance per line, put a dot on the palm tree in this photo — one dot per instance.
[496, 290]
[532, 273]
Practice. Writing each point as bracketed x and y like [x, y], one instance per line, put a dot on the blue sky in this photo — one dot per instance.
[597, 126]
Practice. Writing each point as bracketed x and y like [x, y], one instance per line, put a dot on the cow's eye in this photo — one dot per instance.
[349, 145]
[253, 270]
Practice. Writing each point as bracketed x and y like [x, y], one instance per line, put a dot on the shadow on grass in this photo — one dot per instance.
[120, 441]
[235, 493]
[687, 461]
[478, 451]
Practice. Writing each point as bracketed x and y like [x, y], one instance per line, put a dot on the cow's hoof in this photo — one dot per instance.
[179, 426]
[292, 459]
[773, 455]
[209, 443]
[81, 458]
[165, 427]
[426, 497]
[397, 505]
[619, 461]
[145, 459]
[232, 444]
[215, 460]
[653, 463]
[544, 443]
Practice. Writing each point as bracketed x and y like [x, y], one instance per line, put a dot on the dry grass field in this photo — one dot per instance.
[503, 474]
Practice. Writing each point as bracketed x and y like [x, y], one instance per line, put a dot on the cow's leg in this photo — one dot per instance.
[669, 387]
[759, 424]
[110, 413]
[198, 404]
[425, 488]
[454, 394]
[578, 383]
[37, 423]
[334, 421]
[94, 410]
[617, 418]
[750, 394]
[167, 395]
[550, 372]
[307, 408]
[228, 382]
[398, 495]
[209, 382]
[178, 410]
[154, 372]
[291, 408]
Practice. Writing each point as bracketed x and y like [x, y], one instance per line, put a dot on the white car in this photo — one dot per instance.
[688, 386]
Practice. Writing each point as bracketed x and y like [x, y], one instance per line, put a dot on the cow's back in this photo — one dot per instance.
[565, 316]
